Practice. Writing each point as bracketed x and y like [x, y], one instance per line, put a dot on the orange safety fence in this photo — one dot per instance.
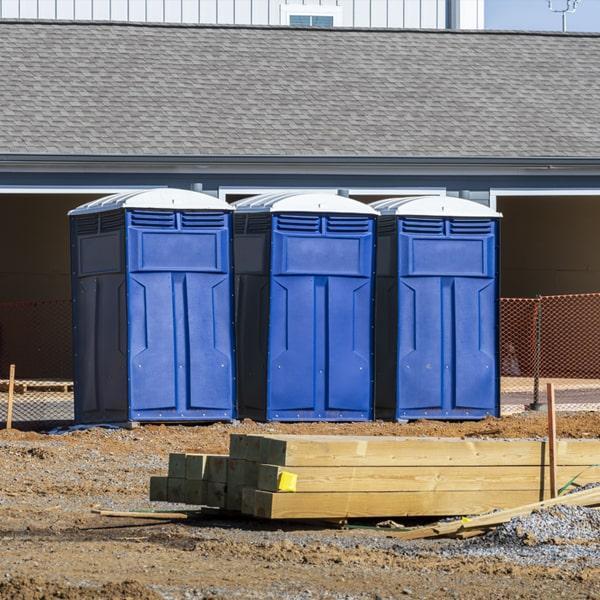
[550, 339]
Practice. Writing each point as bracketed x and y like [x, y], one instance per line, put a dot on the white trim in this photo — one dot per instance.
[497, 193]
[288, 10]
[225, 190]
[33, 189]
[434, 206]
[156, 198]
[328, 203]
[392, 192]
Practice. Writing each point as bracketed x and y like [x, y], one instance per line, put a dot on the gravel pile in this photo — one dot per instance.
[554, 525]
[562, 536]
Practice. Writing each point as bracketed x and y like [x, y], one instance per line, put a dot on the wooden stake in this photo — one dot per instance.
[11, 395]
[552, 437]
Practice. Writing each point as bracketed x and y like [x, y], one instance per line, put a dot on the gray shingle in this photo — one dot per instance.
[169, 90]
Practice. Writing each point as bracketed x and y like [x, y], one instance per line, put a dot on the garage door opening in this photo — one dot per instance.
[550, 306]
[549, 245]
[35, 304]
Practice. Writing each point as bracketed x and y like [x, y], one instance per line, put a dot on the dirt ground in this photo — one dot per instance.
[53, 546]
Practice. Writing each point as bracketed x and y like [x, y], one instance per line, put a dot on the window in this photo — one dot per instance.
[299, 14]
[311, 20]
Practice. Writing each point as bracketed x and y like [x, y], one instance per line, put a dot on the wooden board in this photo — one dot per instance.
[325, 505]
[24, 386]
[420, 479]
[158, 489]
[176, 489]
[248, 501]
[245, 446]
[215, 494]
[240, 473]
[392, 451]
[177, 465]
[206, 467]
[194, 491]
[216, 468]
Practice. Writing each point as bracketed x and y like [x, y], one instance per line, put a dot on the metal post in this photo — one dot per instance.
[535, 405]
[11, 396]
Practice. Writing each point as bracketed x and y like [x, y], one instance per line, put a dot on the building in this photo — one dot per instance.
[509, 119]
[436, 14]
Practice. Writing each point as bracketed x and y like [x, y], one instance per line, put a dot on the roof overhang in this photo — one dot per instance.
[392, 165]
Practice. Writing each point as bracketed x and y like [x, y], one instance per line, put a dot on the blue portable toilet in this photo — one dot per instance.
[153, 308]
[304, 272]
[436, 312]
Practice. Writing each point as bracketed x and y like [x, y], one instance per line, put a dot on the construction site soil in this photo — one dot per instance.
[53, 546]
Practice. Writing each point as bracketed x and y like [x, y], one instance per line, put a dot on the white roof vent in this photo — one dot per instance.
[434, 206]
[160, 198]
[277, 202]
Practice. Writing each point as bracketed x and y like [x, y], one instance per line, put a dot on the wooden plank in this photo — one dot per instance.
[389, 451]
[589, 497]
[248, 501]
[233, 497]
[174, 516]
[552, 438]
[177, 465]
[158, 489]
[216, 468]
[176, 489]
[195, 465]
[215, 494]
[194, 491]
[323, 505]
[419, 479]
[240, 473]
[245, 446]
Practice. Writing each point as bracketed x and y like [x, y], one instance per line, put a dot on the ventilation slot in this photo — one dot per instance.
[347, 224]
[111, 221]
[202, 220]
[87, 225]
[297, 223]
[239, 223]
[423, 226]
[471, 226]
[386, 225]
[258, 223]
[151, 218]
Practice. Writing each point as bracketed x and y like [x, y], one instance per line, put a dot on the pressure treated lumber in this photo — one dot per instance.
[158, 489]
[174, 516]
[176, 489]
[324, 505]
[245, 446]
[393, 451]
[240, 473]
[248, 501]
[419, 479]
[207, 467]
[589, 497]
[177, 465]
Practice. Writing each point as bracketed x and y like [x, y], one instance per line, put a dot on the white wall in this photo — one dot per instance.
[354, 13]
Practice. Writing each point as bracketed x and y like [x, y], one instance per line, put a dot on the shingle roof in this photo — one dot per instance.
[108, 89]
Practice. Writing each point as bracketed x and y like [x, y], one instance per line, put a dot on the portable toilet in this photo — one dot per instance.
[304, 272]
[436, 349]
[153, 308]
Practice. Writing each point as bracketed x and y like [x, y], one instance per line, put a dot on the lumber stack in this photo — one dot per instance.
[337, 477]
[198, 479]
